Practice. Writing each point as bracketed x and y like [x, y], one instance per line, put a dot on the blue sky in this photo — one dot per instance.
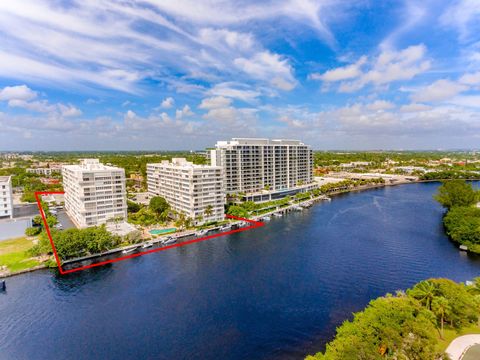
[161, 74]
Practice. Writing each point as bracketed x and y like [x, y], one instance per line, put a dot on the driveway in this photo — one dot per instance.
[461, 344]
[63, 219]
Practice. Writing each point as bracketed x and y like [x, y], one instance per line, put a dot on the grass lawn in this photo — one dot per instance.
[13, 254]
[450, 334]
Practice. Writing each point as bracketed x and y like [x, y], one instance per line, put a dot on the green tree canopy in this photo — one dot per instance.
[456, 193]
[159, 205]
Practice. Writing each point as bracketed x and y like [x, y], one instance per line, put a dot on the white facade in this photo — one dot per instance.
[194, 190]
[94, 193]
[6, 197]
[259, 165]
[44, 171]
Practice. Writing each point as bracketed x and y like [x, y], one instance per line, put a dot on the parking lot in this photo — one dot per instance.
[64, 220]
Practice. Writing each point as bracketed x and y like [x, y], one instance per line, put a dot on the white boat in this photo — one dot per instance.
[202, 232]
[278, 214]
[128, 251]
[170, 241]
[147, 245]
[266, 218]
[225, 228]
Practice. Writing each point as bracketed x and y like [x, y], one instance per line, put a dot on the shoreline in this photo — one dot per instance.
[192, 232]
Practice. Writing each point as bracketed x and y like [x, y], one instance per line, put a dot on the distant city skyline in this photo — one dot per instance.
[180, 75]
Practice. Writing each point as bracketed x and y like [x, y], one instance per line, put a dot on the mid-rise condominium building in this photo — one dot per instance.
[263, 169]
[194, 190]
[94, 193]
[6, 197]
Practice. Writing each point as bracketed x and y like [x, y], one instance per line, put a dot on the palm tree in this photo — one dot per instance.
[441, 308]
[208, 211]
[424, 292]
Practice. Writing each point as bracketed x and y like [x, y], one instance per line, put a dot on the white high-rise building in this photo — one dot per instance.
[263, 169]
[94, 193]
[6, 197]
[194, 190]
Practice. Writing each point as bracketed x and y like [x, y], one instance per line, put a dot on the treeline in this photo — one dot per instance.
[462, 219]
[450, 175]
[247, 208]
[407, 325]
[326, 158]
[29, 182]
[73, 243]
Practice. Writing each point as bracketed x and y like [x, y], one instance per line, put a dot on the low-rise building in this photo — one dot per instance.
[194, 190]
[94, 193]
[45, 171]
[6, 197]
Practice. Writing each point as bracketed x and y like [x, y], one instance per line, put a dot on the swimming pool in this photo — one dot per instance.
[162, 231]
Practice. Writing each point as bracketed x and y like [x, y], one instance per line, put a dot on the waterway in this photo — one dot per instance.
[275, 292]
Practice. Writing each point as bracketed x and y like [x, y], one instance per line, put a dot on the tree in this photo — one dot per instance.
[424, 292]
[441, 308]
[456, 193]
[208, 211]
[159, 205]
[132, 207]
[32, 231]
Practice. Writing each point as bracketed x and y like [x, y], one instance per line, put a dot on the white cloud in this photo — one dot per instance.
[342, 73]
[464, 16]
[438, 91]
[268, 66]
[471, 79]
[22, 96]
[215, 102]
[184, 112]
[414, 107]
[167, 103]
[19, 92]
[69, 110]
[234, 90]
[472, 101]
[389, 66]
[380, 105]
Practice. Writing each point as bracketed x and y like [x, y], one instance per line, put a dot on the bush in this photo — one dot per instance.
[33, 231]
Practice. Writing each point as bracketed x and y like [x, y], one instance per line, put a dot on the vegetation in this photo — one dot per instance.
[247, 208]
[15, 255]
[73, 243]
[462, 220]
[456, 193]
[450, 175]
[408, 325]
[160, 206]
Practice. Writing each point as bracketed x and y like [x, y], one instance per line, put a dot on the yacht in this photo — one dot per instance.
[278, 214]
[225, 228]
[266, 218]
[128, 251]
[147, 245]
[169, 240]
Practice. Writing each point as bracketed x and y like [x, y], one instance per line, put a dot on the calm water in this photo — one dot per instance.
[273, 292]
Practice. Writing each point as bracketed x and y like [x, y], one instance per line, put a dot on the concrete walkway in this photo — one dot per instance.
[460, 345]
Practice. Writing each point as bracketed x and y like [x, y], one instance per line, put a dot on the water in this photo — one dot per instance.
[272, 292]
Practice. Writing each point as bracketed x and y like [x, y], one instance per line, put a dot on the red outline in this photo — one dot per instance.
[254, 225]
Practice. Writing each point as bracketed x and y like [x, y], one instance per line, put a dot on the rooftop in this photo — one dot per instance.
[183, 163]
[258, 141]
[91, 165]
[5, 179]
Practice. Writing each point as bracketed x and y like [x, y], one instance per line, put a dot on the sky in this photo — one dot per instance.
[183, 74]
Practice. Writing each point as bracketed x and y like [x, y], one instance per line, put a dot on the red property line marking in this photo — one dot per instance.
[254, 224]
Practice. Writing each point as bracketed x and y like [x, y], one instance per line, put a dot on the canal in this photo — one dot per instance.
[275, 292]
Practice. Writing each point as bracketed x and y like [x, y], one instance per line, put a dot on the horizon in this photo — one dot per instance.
[157, 76]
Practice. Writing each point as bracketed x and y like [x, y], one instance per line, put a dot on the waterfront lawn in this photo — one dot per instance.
[450, 334]
[14, 254]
